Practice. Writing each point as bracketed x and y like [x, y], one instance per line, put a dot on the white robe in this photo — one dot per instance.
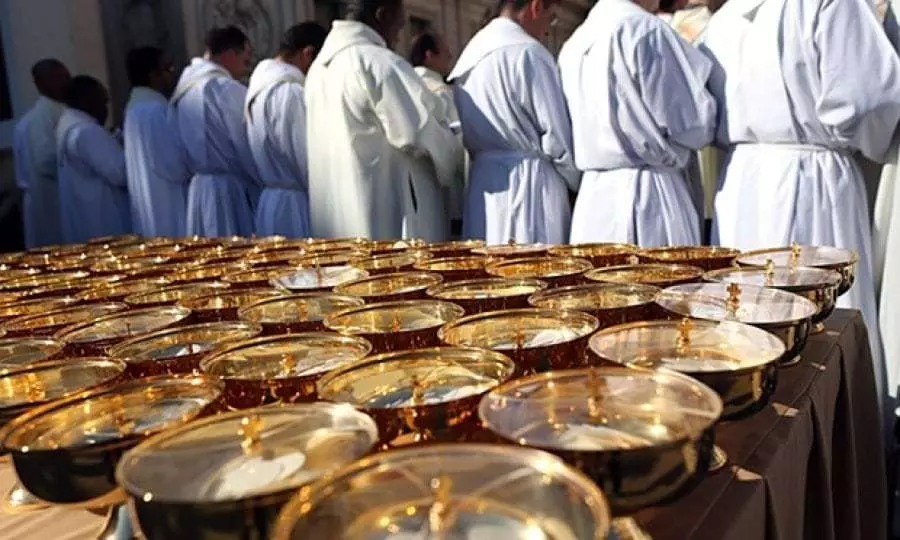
[158, 176]
[517, 130]
[34, 152]
[276, 128]
[640, 110]
[92, 180]
[793, 118]
[448, 115]
[209, 111]
[379, 154]
[886, 240]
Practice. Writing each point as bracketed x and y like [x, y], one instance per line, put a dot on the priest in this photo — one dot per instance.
[517, 130]
[640, 110]
[797, 103]
[34, 152]
[208, 108]
[92, 179]
[276, 128]
[157, 170]
[379, 154]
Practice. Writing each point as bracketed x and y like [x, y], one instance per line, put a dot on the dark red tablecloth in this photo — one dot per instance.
[811, 465]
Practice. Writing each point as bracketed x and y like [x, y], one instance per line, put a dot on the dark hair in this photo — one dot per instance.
[364, 10]
[301, 36]
[422, 44]
[229, 38]
[519, 5]
[82, 90]
[141, 62]
[44, 70]
[667, 6]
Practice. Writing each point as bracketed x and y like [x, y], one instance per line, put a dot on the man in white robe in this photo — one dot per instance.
[640, 109]
[516, 129]
[92, 179]
[209, 111]
[432, 60]
[797, 102]
[34, 153]
[276, 128]
[378, 154]
[157, 169]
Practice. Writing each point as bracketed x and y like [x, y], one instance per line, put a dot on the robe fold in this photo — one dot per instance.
[446, 114]
[797, 103]
[519, 137]
[157, 170]
[276, 129]
[379, 155]
[209, 113]
[640, 110]
[93, 182]
[34, 153]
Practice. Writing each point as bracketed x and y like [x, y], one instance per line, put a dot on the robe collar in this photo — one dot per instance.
[345, 34]
[199, 71]
[500, 33]
[71, 118]
[145, 94]
[429, 75]
[269, 73]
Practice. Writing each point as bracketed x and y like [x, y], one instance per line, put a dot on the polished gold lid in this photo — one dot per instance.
[601, 409]
[10, 297]
[63, 317]
[595, 297]
[416, 378]
[519, 329]
[297, 308]
[183, 341]
[513, 250]
[55, 379]
[814, 256]
[689, 253]
[18, 353]
[280, 257]
[449, 264]
[61, 287]
[453, 245]
[778, 277]
[133, 409]
[257, 275]
[688, 345]
[123, 325]
[385, 246]
[69, 263]
[122, 289]
[479, 289]
[387, 261]
[648, 274]
[392, 317]
[7, 274]
[230, 298]
[389, 284]
[174, 294]
[43, 280]
[245, 454]
[592, 250]
[32, 306]
[11, 258]
[324, 277]
[452, 491]
[285, 357]
[539, 267]
[330, 258]
[129, 264]
[199, 273]
[743, 303]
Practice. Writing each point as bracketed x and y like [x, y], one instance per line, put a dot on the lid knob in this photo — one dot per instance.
[734, 299]
[595, 397]
[633, 260]
[684, 332]
[519, 338]
[251, 426]
[396, 326]
[795, 255]
[512, 241]
[770, 272]
[441, 488]
[288, 364]
[34, 388]
[302, 311]
[418, 390]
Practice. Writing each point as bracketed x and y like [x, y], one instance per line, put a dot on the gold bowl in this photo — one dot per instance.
[554, 271]
[223, 305]
[95, 337]
[842, 261]
[390, 287]
[169, 296]
[600, 255]
[610, 303]
[49, 323]
[705, 257]
[489, 294]
[659, 275]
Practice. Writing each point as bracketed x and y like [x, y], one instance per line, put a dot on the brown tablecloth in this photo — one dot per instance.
[811, 465]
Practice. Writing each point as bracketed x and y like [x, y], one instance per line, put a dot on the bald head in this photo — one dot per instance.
[52, 78]
[384, 16]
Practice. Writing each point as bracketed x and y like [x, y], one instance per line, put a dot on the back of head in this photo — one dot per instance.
[228, 38]
[300, 36]
[384, 16]
[141, 63]
[535, 16]
[421, 46]
[362, 10]
[88, 95]
[51, 78]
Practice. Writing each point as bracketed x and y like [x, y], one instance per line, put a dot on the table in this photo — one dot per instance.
[810, 465]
